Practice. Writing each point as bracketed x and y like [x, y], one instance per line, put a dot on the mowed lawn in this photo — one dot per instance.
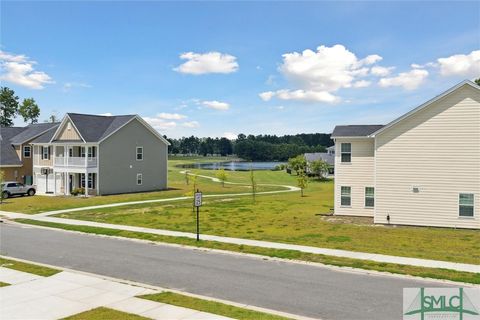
[176, 183]
[290, 218]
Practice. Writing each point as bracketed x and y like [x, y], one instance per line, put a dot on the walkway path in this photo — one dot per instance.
[68, 293]
[264, 244]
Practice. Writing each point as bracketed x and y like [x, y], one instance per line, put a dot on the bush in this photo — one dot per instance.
[77, 191]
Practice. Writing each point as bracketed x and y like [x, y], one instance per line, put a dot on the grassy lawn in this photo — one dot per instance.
[290, 218]
[28, 267]
[4, 284]
[275, 253]
[176, 184]
[210, 306]
[105, 314]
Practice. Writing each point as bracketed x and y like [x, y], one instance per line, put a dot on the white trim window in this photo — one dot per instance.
[346, 152]
[139, 151]
[369, 197]
[139, 179]
[466, 204]
[82, 152]
[27, 151]
[45, 153]
[345, 196]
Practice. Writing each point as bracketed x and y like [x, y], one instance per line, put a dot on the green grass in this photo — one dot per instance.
[210, 306]
[289, 218]
[176, 184]
[275, 253]
[28, 267]
[4, 284]
[105, 314]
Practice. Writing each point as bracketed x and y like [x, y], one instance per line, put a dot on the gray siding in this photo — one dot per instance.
[118, 167]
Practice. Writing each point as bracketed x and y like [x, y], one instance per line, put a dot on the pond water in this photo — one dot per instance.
[234, 165]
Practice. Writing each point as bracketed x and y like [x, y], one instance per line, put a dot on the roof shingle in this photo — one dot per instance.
[355, 130]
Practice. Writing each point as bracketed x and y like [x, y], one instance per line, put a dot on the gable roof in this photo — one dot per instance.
[31, 131]
[426, 104]
[8, 155]
[355, 130]
[95, 128]
[327, 157]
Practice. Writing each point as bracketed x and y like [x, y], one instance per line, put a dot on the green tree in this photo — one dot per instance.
[298, 163]
[29, 110]
[53, 118]
[302, 182]
[222, 176]
[253, 184]
[319, 168]
[477, 81]
[9, 106]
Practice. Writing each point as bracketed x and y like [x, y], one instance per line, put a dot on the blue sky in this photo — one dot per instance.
[223, 68]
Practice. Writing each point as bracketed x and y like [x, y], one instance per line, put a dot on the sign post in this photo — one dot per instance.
[198, 203]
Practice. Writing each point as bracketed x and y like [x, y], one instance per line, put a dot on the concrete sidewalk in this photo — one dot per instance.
[264, 244]
[67, 293]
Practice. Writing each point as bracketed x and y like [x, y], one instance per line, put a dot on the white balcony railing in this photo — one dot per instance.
[78, 162]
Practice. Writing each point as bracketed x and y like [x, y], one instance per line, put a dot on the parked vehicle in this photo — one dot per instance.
[11, 188]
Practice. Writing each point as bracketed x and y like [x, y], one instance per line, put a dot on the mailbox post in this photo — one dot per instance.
[198, 203]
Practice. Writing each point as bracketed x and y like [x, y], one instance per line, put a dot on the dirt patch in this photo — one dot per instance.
[361, 221]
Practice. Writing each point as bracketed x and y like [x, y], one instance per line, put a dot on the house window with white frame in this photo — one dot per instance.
[139, 179]
[369, 197]
[45, 153]
[466, 204]
[139, 156]
[346, 152]
[27, 151]
[82, 152]
[346, 196]
[91, 180]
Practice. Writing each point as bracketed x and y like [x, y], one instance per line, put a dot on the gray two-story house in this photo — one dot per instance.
[101, 155]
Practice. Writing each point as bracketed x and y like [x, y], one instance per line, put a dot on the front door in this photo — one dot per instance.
[71, 183]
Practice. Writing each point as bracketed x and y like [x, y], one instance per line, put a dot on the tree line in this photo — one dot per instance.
[251, 147]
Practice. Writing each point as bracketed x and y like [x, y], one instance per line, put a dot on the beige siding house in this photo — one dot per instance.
[421, 169]
[99, 155]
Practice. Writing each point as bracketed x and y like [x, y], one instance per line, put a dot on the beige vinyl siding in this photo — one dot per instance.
[437, 150]
[357, 174]
[37, 153]
[68, 134]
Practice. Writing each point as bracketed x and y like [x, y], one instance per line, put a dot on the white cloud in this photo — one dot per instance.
[191, 124]
[361, 84]
[230, 135]
[160, 124]
[19, 69]
[210, 62]
[381, 71]
[408, 80]
[170, 116]
[68, 86]
[214, 104]
[319, 74]
[300, 95]
[467, 65]
[107, 114]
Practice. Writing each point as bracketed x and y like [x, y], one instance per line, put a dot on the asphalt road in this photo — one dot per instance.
[290, 287]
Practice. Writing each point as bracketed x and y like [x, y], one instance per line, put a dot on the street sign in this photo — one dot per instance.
[198, 199]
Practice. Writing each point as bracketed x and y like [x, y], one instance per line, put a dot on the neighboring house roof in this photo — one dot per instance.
[46, 136]
[355, 130]
[32, 131]
[331, 148]
[426, 104]
[8, 155]
[328, 158]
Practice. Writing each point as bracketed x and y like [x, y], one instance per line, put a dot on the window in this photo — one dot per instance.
[70, 152]
[369, 197]
[91, 180]
[139, 179]
[139, 153]
[27, 151]
[91, 152]
[45, 153]
[465, 204]
[346, 153]
[82, 152]
[346, 196]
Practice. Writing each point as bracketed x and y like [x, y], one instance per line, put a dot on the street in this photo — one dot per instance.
[290, 287]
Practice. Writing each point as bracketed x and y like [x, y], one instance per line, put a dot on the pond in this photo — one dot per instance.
[234, 165]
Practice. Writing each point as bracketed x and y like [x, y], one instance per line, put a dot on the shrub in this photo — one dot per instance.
[77, 191]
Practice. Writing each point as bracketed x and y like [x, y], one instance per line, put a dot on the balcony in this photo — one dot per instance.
[76, 162]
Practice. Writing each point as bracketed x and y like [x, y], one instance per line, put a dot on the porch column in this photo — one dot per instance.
[86, 182]
[67, 153]
[67, 176]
